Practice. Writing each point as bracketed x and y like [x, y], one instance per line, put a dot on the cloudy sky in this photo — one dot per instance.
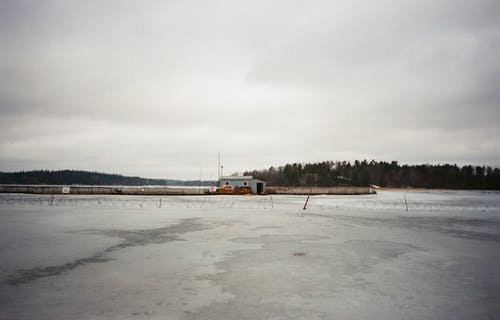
[158, 88]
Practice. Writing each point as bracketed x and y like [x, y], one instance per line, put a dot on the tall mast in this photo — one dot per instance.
[218, 169]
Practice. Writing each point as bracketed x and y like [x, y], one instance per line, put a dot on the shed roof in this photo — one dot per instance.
[236, 178]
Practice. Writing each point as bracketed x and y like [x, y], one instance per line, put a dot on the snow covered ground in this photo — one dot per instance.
[251, 257]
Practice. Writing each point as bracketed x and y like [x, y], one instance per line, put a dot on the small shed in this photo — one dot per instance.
[257, 186]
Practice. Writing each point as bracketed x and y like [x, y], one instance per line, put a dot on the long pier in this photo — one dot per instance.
[341, 190]
[117, 190]
[171, 190]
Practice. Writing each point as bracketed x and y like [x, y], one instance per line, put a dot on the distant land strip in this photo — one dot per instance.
[319, 174]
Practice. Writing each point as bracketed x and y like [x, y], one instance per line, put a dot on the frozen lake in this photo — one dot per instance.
[251, 257]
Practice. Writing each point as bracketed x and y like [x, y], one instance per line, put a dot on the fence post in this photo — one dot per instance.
[307, 200]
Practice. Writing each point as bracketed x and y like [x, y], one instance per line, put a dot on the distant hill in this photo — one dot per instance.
[74, 177]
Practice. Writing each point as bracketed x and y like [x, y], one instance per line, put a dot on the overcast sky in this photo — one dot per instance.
[158, 88]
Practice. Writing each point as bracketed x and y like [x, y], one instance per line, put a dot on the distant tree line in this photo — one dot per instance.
[384, 174]
[78, 177]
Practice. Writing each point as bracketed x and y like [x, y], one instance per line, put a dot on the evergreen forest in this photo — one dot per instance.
[79, 177]
[383, 174]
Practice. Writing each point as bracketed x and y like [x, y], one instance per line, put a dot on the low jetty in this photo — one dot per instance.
[173, 191]
[341, 190]
[116, 190]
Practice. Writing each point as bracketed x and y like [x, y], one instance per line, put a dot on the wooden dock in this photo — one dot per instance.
[342, 190]
[116, 190]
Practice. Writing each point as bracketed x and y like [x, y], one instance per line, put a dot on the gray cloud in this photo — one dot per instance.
[158, 88]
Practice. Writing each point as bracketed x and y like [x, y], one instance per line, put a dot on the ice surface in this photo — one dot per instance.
[251, 257]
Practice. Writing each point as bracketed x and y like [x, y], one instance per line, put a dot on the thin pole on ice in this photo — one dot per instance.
[307, 200]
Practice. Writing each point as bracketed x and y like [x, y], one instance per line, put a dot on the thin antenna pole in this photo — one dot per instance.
[218, 169]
